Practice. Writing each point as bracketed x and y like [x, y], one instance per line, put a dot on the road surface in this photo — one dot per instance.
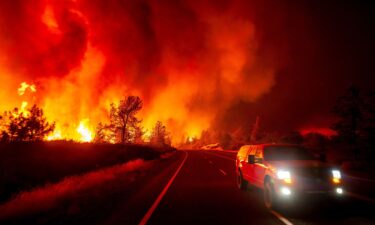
[190, 187]
[204, 192]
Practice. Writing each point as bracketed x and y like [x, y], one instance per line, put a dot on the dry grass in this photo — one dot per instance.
[53, 195]
[24, 166]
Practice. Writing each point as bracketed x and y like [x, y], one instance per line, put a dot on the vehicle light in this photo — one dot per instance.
[285, 176]
[339, 191]
[336, 174]
[285, 191]
[336, 180]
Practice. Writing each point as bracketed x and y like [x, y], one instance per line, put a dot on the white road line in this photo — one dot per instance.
[281, 218]
[147, 216]
[224, 157]
[223, 172]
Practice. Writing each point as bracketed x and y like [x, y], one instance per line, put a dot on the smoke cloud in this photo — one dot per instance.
[192, 62]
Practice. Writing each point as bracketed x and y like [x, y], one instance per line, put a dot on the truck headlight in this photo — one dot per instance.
[284, 175]
[285, 191]
[336, 176]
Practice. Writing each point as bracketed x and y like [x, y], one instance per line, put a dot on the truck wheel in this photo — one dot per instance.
[241, 183]
[269, 196]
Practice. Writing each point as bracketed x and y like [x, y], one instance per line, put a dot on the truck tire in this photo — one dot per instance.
[241, 183]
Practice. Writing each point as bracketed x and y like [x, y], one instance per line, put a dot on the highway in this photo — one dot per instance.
[204, 192]
[187, 187]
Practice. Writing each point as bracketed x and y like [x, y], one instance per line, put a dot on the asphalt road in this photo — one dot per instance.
[189, 187]
[204, 192]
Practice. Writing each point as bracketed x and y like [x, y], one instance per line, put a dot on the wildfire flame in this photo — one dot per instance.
[56, 135]
[24, 87]
[146, 135]
[84, 132]
[82, 60]
[24, 110]
[191, 139]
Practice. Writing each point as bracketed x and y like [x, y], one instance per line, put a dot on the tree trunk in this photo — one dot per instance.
[124, 129]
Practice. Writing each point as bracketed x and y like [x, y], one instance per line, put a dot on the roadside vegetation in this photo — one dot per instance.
[24, 125]
[24, 166]
[28, 160]
[123, 125]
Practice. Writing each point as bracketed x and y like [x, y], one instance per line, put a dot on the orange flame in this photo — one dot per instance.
[84, 132]
[183, 91]
[24, 87]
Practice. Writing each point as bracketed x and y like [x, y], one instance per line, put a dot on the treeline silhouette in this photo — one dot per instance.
[124, 126]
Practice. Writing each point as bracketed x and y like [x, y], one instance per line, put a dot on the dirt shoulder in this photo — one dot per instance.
[119, 193]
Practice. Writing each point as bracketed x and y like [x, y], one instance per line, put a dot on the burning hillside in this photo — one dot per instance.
[74, 58]
[195, 64]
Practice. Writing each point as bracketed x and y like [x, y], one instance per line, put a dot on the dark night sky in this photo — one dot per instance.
[329, 45]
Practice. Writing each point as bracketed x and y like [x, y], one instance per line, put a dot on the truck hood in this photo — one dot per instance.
[291, 164]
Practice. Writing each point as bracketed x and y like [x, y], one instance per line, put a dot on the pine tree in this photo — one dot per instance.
[159, 134]
[28, 125]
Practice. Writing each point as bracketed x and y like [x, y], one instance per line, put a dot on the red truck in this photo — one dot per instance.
[285, 172]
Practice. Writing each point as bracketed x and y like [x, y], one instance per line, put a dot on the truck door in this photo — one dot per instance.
[259, 167]
[248, 169]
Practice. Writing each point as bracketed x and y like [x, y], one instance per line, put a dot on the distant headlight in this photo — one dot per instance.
[336, 176]
[284, 175]
[339, 191]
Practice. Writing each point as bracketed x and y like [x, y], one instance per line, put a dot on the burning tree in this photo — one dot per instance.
[159, 135]
[25, 125]
[138, 134]
[124, 125]
[103, 134]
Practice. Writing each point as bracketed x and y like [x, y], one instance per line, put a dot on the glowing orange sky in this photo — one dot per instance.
[196, 64]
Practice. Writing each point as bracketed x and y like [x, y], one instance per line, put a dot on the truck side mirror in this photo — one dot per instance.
[251, 159]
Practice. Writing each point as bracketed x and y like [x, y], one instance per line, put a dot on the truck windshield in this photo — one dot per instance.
[275, 153]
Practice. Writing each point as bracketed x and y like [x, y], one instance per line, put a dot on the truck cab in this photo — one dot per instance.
[283, 171]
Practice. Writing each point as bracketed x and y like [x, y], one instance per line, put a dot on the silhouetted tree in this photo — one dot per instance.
[138, 135]
[104, 133]
[368, 126]
[29, 125]
[122, 117]
[225, 140]
[240, 137]
[159, 134]
[349, 110]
